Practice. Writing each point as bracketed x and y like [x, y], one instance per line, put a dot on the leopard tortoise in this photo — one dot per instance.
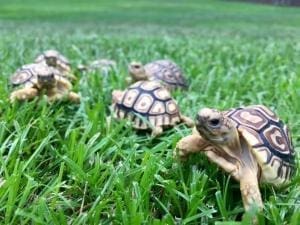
[165, 71]
[148, 105]
[105, 66]
[33, 80]
[251, 143]
[55, 59]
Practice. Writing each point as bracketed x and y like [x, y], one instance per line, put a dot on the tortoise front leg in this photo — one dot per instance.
[188, 121]
[63, 84]
[250, 190]
[56, 96]
[71, 76]
[189, 144]
[23, 94]
[195, 143]
[156, 131]
[247, 177]
[214, 156]
[74, 97]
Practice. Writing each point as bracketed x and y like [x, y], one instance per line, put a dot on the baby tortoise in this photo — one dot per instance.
[149, 105]
[55, 59]
[105, 66]
[250, 143]
[165, 71]
[38, 79]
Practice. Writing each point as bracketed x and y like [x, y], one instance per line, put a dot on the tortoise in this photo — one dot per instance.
[251, 143]
[56, 60]
[163, 70]
[103, 65]
[36, 79]
[149, 105]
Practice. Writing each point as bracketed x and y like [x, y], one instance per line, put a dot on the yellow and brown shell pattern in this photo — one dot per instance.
[26, 75]
[147, 104]
[167, 72]
[270, 140]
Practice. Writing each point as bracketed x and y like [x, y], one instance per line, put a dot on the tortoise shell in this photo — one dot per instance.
[61, 63]
[147, 104]
[167, 72]
[103, 65]
[27, 74]
[270, 140]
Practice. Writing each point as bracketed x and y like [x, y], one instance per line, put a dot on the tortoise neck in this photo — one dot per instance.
[139, 75]
[47, 86]
[249, 162]
[239, 150]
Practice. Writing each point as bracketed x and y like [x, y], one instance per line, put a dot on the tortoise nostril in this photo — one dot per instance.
[214, 122]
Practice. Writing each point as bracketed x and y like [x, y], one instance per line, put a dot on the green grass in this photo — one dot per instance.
[64, 164]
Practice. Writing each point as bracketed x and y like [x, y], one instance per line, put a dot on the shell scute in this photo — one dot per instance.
[130, 97]
[171, 107]
[162, 94]
[277, 139]
[149, 86]
[250, 118]
[143, 103]
[266, 112]
[252, 137]
[158, 108]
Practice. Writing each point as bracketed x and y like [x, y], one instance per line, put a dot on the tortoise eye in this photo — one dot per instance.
[214, 122]
[136, 66]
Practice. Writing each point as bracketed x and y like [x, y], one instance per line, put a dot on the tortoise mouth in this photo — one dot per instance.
[46, 79]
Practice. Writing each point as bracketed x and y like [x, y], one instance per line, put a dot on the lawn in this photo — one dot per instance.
[65, 164]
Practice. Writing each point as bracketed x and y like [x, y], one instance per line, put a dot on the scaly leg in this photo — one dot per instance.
[54, 97]
[57, 96]
[195, 143]
[63, 83]
[74, 97]
[156, 131]
[250, 190]
[248, 179]
[190, 144]
[188, 121]
[71, 77]
[229, 167]
[23, 94]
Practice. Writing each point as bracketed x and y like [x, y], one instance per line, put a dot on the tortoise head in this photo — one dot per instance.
[45, 76]
[51, 57]
[215, 127]
[137, 71]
